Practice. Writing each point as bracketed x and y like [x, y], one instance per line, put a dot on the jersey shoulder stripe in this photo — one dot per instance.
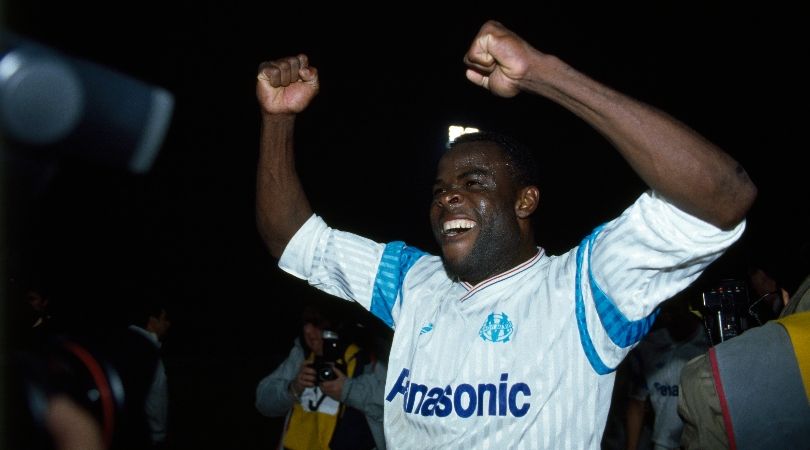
[621, 331]
[397, 259]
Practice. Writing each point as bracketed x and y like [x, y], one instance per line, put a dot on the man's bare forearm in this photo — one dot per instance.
[674, 160]
[281, 203]
[671, 158]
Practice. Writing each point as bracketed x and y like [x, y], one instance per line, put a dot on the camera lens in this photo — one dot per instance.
[326, 373]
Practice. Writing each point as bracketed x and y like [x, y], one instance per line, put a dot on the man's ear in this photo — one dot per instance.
[527, 201]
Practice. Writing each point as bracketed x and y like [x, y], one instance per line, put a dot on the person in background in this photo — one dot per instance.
[753, 390]
[137, 357]
[331, 394]
[496, 343]
[40, 319]
[768, 295]
[676, 337]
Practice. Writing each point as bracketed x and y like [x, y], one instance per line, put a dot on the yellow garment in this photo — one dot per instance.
[312, 430]
[798, 328]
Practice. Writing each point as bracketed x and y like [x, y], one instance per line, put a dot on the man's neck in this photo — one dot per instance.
[516, 263]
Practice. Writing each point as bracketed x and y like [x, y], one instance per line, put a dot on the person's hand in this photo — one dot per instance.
[286, 85]
[72, 426]
[333, 388]
[498, 59]
[305, 378]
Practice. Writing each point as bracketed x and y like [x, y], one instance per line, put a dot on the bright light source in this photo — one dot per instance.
[455, 131]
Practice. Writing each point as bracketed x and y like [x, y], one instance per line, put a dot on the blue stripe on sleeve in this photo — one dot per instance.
[397, 260]
[622, 332]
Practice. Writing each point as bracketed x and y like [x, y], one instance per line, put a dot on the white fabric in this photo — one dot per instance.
[516, 333]
[157, 399]
[657, 370]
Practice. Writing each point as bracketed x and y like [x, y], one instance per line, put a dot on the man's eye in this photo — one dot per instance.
[438, 191]
[473, 183]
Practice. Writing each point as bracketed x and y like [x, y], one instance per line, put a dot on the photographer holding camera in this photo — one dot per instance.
[753, 391]
[329, 389]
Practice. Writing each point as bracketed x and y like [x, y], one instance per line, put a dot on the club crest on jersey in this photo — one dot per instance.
[496, 328]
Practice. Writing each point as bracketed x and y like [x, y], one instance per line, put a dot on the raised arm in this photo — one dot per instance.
[284, 88]
[674, 160]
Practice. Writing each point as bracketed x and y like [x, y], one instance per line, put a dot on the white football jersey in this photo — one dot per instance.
[525, 359]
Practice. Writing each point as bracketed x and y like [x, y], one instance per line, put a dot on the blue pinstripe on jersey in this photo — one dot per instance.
[622, 331]
[397, 259]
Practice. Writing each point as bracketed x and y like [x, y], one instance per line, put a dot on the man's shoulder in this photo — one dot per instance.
[423, 266]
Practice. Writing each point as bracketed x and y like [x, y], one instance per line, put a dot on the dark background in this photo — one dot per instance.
[392, 80]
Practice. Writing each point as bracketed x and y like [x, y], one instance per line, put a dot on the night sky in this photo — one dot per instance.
[392, 80]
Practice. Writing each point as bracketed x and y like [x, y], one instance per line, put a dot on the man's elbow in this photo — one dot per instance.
[266, 409]
[274, 242]
[737, 207]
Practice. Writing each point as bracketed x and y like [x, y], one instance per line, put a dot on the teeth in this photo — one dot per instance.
[458, 224]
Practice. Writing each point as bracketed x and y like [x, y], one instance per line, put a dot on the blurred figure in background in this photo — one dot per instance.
[138, 360]
[329, 388]
[752, 391]
[34, 304]
[655, 370]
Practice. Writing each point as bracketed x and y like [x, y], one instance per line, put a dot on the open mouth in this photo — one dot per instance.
[456, 227]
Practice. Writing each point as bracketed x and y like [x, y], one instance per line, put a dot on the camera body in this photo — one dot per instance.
[325, 365]
[89, 371]
[726, 310]
[324, 371]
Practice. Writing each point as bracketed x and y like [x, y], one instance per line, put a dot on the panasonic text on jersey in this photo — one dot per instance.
[465, 400]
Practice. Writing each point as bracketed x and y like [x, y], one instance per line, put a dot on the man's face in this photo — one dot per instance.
[473, 212]
[37, 301]
[160, 325]
[313, 338]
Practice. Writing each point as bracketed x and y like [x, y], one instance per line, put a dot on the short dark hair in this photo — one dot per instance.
[523, 165]
[315, 316]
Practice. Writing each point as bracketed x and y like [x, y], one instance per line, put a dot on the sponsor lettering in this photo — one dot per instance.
[666, 390]
[464, 400]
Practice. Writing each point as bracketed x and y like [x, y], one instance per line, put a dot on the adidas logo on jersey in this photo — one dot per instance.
[465, 400]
